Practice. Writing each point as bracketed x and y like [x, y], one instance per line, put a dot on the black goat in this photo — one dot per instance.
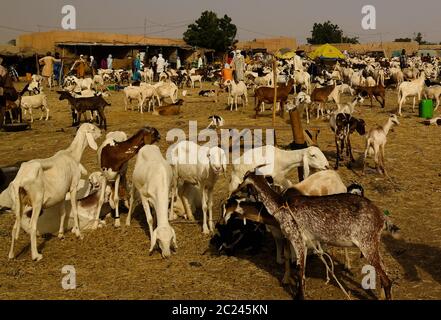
[81, 105]
[345, 125]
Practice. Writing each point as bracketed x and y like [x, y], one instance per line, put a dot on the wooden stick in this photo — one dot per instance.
[38, 64]
[275, 89]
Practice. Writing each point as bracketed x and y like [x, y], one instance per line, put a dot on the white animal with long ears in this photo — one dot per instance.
[44, 183]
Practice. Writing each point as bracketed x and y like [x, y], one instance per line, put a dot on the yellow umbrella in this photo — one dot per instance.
[326, 51]
[285, 53]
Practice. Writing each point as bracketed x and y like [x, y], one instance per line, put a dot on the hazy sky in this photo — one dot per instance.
[254, 18]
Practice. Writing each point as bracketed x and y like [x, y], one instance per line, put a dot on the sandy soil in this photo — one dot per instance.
[115, 264]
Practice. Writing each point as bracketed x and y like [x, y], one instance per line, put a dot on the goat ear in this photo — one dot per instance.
[305, 166]
[153, 241]
[91, 141]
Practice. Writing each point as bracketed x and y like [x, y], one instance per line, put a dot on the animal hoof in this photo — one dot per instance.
[37, 257]
[61, 236]
[117, 223]
[11, 256]
[205, 230]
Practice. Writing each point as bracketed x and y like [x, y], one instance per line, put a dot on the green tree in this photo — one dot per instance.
[211, 32]
[419, 38]
[328, 32]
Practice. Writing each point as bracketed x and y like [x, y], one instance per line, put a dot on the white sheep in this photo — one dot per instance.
[166, 90]
[44, 183]
[410, 89]
[38, 101]
[302, 78]
[376, 141]
[148, 94]
[201, 166]
[433, 92]
[277, 164]
[194, 79]
[237, 90]
[153, 179]
[132, 93]
[49, 220]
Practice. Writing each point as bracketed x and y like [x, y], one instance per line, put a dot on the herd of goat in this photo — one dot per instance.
[49, 196]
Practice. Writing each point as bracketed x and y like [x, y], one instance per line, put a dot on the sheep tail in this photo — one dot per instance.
[392, 229]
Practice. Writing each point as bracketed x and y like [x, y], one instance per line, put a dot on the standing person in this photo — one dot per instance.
[110, 62]
[153, 62]
[137, 63]
[178, 63]
[80, 67]
[58, 71]
[103, 63]
[93, 66]
[239, 66]
[160, 64]
[200, 62]
[7, 92]
[403, 59]
[48, 68]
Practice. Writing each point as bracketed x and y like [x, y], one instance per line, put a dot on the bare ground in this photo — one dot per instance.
[115, 264]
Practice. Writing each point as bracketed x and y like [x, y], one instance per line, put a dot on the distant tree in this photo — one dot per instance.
[419, 38]
[328, 32]
[403, 40]
[211, 32]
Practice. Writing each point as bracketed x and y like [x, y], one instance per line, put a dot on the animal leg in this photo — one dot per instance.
[210, 210]
[73, 200]
[372, 254]
[117, 223]
[131, 208]
[205, 229]
[16, 228]
[62, 219]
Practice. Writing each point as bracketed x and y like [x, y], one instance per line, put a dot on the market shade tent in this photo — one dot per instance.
[326, 51]
[285, 53]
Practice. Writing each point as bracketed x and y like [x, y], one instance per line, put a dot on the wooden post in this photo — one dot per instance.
[298, 135]
[60, 82]
[38, 64]
[275, 90]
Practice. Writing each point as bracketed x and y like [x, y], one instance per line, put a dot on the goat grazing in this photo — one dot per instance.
[278, 163]
[153, 179]
[344, 220]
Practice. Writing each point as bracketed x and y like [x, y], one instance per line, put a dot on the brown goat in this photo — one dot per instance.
[320, 95]
[266, 95]
[169, 110]
[115, 159]
[344, 220]
[345, 126]
[377, 91]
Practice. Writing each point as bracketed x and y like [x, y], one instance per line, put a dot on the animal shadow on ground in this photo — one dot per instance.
[265, 259]
[412, 255]
[26, 250]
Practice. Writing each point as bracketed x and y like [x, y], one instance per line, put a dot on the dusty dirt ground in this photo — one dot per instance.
[115, 264]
